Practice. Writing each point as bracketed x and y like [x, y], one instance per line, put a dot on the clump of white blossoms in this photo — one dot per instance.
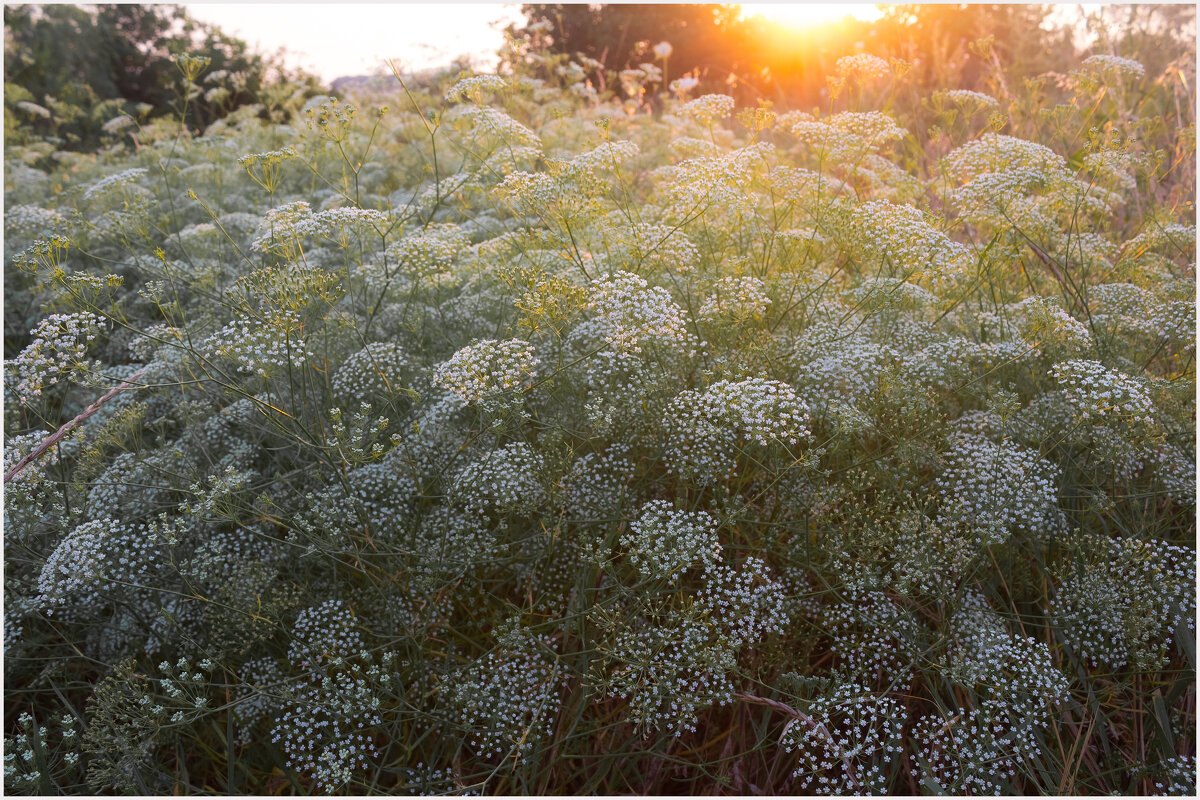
[476, 88]
[707, 108]
[94, 553]
[263, 347]
[710, 428]
[326, 731]
[429, 251]
[1045, 321]
[380, 368]
[670, 672]
[712, 178]
[597, 484]
[1104, 64]
[489, 373]
[901, 237]
[507, 479]
[1120, 602]
[968, 751]
[681, 86]
[645, 245]
[507, 700]
[1096, 391]
[1015, 672]
[849, 740]
[848, 135]
[448, 543]
[874, 640]
[736, 298]
[324, 633]
[745, 602]
[997, 153]
[664, 541]
[990, 489]
[113, 182]
[30, 221]
[966, 98]
[864, 65]
[57, 352]
[493, 125]
[282, 228]
[633, 313]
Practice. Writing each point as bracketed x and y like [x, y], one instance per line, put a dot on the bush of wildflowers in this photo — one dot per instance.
[491, 435]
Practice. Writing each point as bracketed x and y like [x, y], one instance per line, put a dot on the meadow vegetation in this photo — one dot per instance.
[495, 433]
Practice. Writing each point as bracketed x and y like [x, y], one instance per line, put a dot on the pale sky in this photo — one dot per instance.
[333, 40]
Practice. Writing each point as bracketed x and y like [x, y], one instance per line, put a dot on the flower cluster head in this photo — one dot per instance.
[1014, 672]
[1046, 322]
[260, 347]
[737, 298]
[57, 352]
[429, 251]
[324, 633]
[997, 153]
[710, 428]
[990, 489]
[633, 313]
[665, 541]
[681, 86]
[967, 98]
[476, 87]
[848, 741]
[746, 603]
[345, 226]
[1103, 64]
[489, 373]
[30, 221]
[901, 236]
[968, 751]
[645, 245]
[328, 729]
[874, 639]
[1120, 601]
[1098, 392]
[596, 486]
[848, 134]
[112, 182]
[863, 65]
[492, 124]
[712, 178]
[380, 368]
[507, 479]
[33, 109]
[670, 672]
[90, 555]
[283, 227]
[507, 700]
[707, 108]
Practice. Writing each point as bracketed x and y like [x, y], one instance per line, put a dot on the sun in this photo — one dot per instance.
[800, 15]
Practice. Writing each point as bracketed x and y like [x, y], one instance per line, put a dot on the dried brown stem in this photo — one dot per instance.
[57, 436]
[810, 722]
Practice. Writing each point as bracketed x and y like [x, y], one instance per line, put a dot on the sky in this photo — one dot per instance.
[355, 39]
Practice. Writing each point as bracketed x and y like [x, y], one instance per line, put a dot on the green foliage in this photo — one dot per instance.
[101, 73]
[490, 435]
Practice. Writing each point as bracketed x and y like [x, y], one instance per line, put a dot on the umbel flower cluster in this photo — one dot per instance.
[498, 433]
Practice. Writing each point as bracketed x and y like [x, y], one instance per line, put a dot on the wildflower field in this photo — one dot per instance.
[491, 433]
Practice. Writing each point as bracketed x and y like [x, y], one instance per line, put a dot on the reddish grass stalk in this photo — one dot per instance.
[55, 437]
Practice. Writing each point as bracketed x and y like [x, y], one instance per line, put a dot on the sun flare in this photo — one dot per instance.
[801, 15]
